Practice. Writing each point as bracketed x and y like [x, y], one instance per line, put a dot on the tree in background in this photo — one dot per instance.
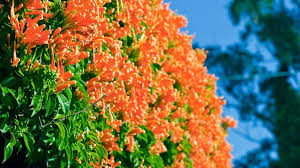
[258, 93]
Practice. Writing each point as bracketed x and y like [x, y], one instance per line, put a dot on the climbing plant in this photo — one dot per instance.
[105, 83]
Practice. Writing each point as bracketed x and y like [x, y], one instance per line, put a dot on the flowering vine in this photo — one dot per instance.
[160, 108]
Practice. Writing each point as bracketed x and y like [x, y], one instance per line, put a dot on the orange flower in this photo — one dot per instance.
[229, 122]
[56, 31]
[52, 60]
[130, 138]
[108, 140]
[115, 125]
[15, 60]
[109, 162]
[130, 143]
[28, 63]
[65, 85]
[36, 64]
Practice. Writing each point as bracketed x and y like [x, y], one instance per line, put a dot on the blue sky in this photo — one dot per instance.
[209, 21]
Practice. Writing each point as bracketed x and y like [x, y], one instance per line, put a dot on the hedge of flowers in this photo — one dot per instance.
[106, 83]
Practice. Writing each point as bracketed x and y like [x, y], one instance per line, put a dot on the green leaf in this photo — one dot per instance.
[50, 106]
[155, 161]
[129, 41]
[18, 145]
[20, 95]
[68, 93]
[211, 111]
[63, 163]
[3, 126]
[63, 101]
[134, 55]
[5, 93]
[10, 81]
[82, 151]
[92, 137]
[186, 146]
[6, 90]
[169, 156]
[47, 55]
[178, 86]
[9, 149]
[29, 141]
[209, 87]
[151, 89]
[144, 24]
[146, 139]
[61, 129]
[171, 44]
[155, 67]
[7, 102]
[187, 108]
[59, 116]
[20, 72]
[188, 162]
[138, 36]
[101, 152]
[37, 102]
[82, 87]
[69, 154]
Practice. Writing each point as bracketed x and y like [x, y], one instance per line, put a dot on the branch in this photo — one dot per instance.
[81, 111]
[73, 114]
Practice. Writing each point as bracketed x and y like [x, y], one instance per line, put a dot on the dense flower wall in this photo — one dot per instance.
[107, 83]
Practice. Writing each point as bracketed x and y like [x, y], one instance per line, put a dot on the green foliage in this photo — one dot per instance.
[187, 108]
[8, 149]
[141, 153]
[186, 146]
[177, 86]
[169, 156]
[33, 116]
[155, 67]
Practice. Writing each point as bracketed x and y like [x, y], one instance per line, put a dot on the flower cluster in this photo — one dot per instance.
[147, 69]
